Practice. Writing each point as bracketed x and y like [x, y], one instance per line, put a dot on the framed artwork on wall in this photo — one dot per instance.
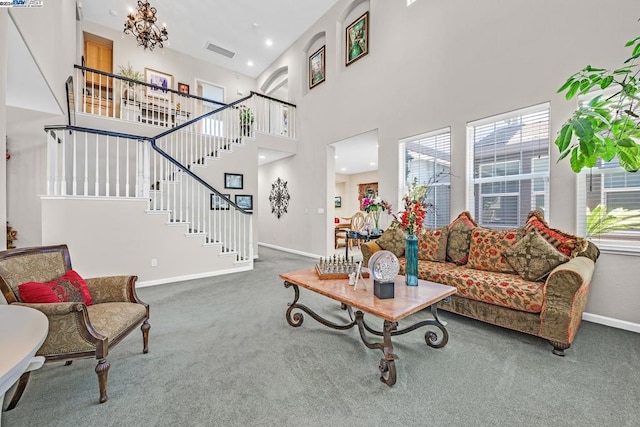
[234, 181]
[183, 88]
[337, 201]
[244, 201]
[160, 81]
[218, 203]
[316, 68]
[357, 39]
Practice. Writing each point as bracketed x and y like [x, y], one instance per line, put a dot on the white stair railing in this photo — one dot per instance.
[109, 95]
[101, 164]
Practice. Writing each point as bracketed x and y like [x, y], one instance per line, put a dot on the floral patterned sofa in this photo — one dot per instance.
[533, 279]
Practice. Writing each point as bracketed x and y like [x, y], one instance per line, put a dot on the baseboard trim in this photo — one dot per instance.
[610, 321]
[156, 282]
[291, 251]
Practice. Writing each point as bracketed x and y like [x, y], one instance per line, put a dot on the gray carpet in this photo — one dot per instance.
[222, 354]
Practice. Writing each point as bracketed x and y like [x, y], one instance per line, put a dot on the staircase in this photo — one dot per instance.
[161, 172]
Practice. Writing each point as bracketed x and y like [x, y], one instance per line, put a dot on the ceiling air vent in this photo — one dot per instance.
[222, 51]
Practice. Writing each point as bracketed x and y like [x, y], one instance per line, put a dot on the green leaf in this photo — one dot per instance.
[583, 129]
[587, 148]
[626, 142]
[575, 85]
[630, 42]
[636, 50]
[564, 139]
[596, 115]
[566, 84]
[576, 164]
[610, 150]
[606, 82]
[564, 154]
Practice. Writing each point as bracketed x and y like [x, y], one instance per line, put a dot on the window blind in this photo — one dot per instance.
[508, 166]
[426, 159]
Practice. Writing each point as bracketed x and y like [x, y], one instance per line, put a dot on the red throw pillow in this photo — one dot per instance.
[69, 287]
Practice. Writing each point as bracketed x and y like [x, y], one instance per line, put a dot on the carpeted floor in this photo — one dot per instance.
[222, 354]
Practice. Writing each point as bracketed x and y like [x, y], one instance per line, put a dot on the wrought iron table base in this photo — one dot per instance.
[387, 365]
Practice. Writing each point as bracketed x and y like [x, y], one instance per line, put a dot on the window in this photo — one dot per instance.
[427, 160]
[213, 126]
[508, 166]
[609, 202]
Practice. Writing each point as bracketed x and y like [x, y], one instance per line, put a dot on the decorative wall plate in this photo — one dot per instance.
[279, 198]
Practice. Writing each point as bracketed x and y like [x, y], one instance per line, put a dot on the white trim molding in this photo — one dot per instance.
[610, 321]
[164, 281]
[292, 251]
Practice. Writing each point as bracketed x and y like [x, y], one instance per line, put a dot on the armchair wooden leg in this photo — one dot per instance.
[145, 336]
[102, 369]
[22, 384]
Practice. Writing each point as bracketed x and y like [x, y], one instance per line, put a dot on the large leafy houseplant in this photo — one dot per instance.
[608, 126]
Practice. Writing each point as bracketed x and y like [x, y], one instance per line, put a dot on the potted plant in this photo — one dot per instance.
[608, 126]
[127, 71]
[246, 120]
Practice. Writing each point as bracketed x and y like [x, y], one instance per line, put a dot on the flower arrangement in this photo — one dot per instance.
[375, 206]
[415, 208]
[376, 203]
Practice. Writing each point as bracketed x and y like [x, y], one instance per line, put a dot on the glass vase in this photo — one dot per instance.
[376, 219]
[411, 256]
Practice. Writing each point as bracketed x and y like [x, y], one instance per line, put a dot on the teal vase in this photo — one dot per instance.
[411, 256]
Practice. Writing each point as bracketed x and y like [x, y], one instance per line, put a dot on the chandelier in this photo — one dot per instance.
[142, 24]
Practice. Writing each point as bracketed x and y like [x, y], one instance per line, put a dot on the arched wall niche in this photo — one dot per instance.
[277, 84]
[350, 13]
[315, 43]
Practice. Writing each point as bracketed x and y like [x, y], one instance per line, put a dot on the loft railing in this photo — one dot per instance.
[94, 163]
[108, 95]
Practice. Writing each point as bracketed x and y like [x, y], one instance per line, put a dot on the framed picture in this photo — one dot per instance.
[337, 201]
[357, 39]
[233, 180]
[183, 88]
[244, 201]
[285, 121]
[316, 68]
[218, 203]
[161, 81]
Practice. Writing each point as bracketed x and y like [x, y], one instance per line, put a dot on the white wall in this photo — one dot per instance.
[115, 237]
[183, 68]
[50, 35]
[437, 64]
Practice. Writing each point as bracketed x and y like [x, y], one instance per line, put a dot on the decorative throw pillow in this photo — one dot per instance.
[459, 238]
[488, 246]
[567, 244]
[432, 244]
[69, 287]
[533, 257]
[393, 240]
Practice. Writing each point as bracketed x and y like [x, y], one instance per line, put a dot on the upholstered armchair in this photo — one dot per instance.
[77, 329]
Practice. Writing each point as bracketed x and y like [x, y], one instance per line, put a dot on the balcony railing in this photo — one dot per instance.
[93, 163]
[108, 95]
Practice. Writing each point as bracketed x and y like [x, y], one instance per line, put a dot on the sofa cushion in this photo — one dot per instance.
[393, 240]
[503, 289]
[488, 247]
[432, 244]
[69, 287]
[459, 238]
[428, 270]
[566, 243]
[533, 257]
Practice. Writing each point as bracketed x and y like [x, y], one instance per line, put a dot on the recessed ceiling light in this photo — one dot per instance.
[343, 169]
[269, 42]
[262, 156]
[335, 157]
[250, 63]
[372, 164]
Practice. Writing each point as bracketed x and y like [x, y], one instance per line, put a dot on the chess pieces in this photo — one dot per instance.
[338, 267]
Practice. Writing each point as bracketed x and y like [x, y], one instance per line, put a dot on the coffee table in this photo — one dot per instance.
[408, 300]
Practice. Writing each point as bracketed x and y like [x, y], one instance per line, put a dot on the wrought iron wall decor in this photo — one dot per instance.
[279, 198]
